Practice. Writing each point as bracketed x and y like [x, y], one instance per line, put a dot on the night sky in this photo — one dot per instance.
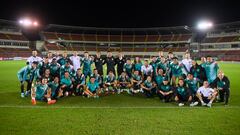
[122, 13]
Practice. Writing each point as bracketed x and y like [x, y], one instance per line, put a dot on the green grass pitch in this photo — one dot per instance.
[115, 114]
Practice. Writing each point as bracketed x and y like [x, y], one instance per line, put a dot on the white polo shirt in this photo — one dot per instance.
[205, 91]
[146, 70]
[76, 60]
[34, 58]
[187, 63]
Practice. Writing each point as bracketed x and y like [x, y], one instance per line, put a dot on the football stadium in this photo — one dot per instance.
[72, 79]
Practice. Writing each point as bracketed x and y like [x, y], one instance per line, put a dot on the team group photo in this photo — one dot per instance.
[168, 67]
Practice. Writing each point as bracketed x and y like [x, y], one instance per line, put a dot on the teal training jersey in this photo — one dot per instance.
[87, 64]
[123, 79]
[109, 79]
[92, 86]
[137, 66]
[79, 79]
[128, 68]
[211, 71]
[192, 85]
[136, 77]
[159, 79]
[183, 91]
[54, 87]
[165, 88]
[66, 81]
[148, 84]
[40, 91]
[176, 69]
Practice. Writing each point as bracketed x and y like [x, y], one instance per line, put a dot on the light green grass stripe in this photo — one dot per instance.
[110, 107]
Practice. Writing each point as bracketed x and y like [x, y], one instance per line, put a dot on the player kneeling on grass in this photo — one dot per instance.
[149, 87]
[206, 94]
[222, 85]
[79, 82]
[123, 83]
[92, 89]
[54, 88]
[41, 92]
[136, 81]
[110, 83]
[192, 84]
[165, 91]
[182, 93]
[66, 87]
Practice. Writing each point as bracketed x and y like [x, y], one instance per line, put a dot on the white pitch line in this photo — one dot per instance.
[110, 107]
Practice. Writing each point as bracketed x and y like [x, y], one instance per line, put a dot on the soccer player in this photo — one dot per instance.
[222, 85]
[163, 64]
[54, 88]
[146, 70]
[136, 81]
[54, 68]
[50, 57]
[120, 62]
[137, 64]
[198, 72]
[211, 69]
[159, 77]
[123, 83]
[43, 66]
[76, 61]
[110, 83]
[186, 64]
[203, 62]
[87, 62]
[27, 74]
[47, 75]
[165, 91]
[33, 58]
[109, 60]
[64, 59]
[99, 62]
[176, 70]
[41, 92]
[66, 87]
[98, 77]
[92, 89]
[128, 68]
[67, 68]
[192, 84]
[149, 87]
[206, 94]
[154, 65]
[182, 93]
[79, 82]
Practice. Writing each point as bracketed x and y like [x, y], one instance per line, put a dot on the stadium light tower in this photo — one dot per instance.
[204, 25]
[28, 23]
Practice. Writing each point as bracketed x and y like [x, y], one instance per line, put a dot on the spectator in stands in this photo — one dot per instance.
[222, 85]
[33, 58]
[120, 61]
[76, 61]
[99, 62]
[110, 61]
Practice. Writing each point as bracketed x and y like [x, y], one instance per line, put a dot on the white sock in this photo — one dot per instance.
[48, 99]
[210, 102]
[33, 98]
